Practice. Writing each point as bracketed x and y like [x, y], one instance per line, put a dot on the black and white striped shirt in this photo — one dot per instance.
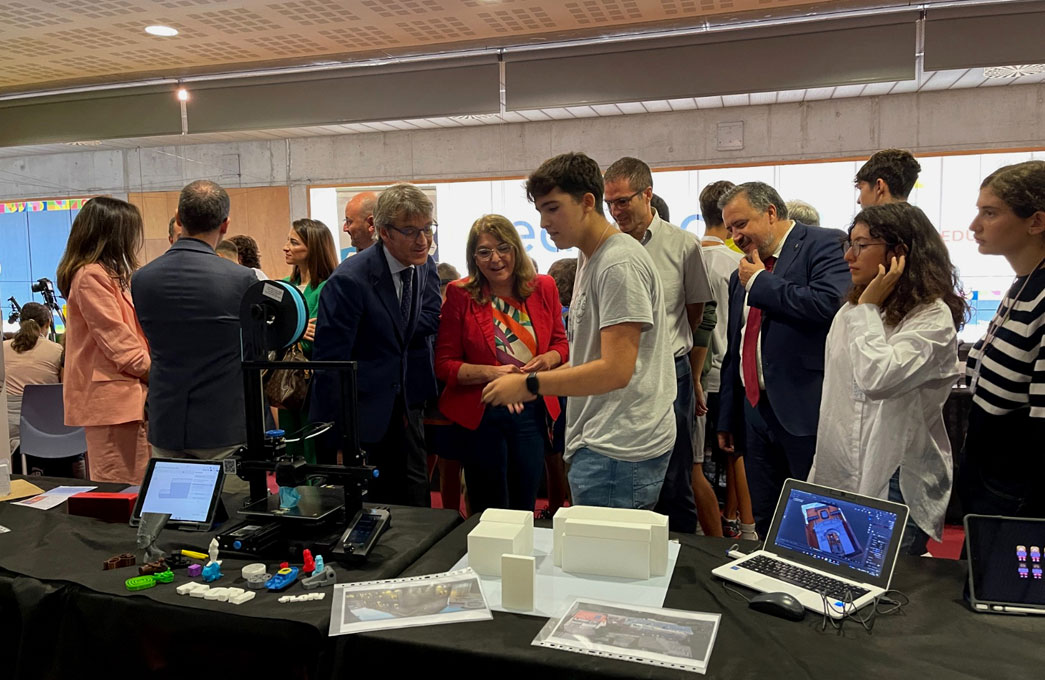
[1013, 373]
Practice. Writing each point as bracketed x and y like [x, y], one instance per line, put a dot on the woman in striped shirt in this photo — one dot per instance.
[1004, 468]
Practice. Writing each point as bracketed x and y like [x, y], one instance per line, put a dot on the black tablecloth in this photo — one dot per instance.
[61, 629]
[53, 590]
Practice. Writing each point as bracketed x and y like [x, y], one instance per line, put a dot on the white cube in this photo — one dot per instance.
[522, 518]
[657, 523]
[518, 581]
[488, 541]
[604, 548]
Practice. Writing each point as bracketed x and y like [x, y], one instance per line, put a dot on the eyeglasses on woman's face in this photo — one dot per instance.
[486, 254]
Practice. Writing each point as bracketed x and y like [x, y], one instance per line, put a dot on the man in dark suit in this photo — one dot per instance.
[782, 299]
[380, 308]
[188, 301]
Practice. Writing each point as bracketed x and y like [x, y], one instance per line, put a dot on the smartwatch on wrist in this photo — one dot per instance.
[533, 384]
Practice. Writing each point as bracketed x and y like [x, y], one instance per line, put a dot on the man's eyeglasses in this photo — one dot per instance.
[484, 254]
[858, 246]
[622, 202]
[412, 232]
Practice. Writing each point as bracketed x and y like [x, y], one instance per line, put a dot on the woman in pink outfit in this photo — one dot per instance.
[107, 357]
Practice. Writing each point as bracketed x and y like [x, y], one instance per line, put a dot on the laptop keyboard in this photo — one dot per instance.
[804, 578]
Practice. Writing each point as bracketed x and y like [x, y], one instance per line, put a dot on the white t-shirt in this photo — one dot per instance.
[619, 284]
[721, 261]
[677, 258]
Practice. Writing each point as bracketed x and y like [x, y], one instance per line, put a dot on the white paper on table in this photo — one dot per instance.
[670, 638]
[556, 589]
[452, 597]
[53, 497]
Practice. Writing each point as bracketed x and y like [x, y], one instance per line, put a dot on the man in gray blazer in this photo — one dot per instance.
[188, 302]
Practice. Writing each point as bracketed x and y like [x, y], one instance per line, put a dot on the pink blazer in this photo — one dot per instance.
[106, 353]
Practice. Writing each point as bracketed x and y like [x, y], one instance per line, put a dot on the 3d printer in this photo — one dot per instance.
[327, 516]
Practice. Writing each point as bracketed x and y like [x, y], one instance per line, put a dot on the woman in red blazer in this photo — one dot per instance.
[503, 318]
[106, 356]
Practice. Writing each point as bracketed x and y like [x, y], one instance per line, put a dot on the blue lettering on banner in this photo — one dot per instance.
[690, 220]
[528, 233]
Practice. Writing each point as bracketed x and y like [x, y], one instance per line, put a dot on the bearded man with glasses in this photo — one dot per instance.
[380, 308]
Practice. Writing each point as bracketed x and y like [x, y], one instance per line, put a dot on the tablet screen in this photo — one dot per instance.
[1005, 559]
[185, 490]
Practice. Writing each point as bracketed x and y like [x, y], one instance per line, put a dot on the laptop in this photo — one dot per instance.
[1005, 564]
[832, 550]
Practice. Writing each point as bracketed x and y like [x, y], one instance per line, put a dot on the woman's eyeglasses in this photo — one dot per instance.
[484, 254]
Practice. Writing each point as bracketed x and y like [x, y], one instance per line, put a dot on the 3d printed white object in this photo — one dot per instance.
[655, 522]
[489, 540]
[518, 581]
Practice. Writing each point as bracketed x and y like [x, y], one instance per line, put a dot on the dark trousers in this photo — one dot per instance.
[1002, 468]
[504, 461]
[772, 455]
[676, 496]
[401, 459]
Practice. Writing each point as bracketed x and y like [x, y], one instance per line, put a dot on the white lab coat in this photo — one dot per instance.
[882, 408]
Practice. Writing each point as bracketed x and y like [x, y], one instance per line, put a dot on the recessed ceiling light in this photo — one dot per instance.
[162, 31]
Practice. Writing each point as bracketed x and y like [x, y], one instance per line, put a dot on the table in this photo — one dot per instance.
[935, 636]
[60, 613]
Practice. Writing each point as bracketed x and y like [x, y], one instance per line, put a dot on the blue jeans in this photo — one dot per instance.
[915, 540]
[676, 496]
[504, 462]
[599, 480]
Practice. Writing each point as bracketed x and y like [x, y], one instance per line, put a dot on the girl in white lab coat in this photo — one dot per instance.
[1003, 471]
[891, 359]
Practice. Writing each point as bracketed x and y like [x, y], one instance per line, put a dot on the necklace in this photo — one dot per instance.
[602, 237]
[994, 327]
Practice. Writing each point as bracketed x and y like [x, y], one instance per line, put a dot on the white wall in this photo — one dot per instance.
[983, 118]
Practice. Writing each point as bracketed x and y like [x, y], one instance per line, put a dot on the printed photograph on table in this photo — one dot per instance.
[430, 600]
[661, 637]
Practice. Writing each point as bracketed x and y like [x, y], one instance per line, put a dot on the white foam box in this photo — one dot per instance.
[602, 548]
[523, 518]
[657, 523]
[488, 541]
[518, 581]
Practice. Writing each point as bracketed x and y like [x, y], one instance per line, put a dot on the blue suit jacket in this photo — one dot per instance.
[798, 301]
[359, 320]
[188, 303]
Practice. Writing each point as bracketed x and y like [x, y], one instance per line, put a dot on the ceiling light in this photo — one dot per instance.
[183, 94]
[162, 31]
[1013, 71]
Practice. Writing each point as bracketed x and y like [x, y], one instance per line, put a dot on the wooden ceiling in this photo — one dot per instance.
[47, 44]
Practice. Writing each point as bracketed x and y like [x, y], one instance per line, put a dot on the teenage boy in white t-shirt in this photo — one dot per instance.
[620, 424]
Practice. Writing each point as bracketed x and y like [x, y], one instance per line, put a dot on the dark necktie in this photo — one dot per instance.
[749, 354]
[407, 277]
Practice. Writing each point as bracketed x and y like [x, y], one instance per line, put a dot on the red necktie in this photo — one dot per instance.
[749, 354]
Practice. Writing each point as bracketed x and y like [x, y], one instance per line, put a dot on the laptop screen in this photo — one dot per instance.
[843, 532]
[1005, 559]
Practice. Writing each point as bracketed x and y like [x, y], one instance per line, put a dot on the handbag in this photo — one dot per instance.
[287, 388]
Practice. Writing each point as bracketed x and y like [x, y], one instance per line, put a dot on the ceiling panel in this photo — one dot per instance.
[61, 42]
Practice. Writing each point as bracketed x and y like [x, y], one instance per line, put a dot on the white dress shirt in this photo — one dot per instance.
[884, 391]
[395, 266]
[743, 322]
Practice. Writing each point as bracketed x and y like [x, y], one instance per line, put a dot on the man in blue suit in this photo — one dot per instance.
[782, 299]
[380, 308]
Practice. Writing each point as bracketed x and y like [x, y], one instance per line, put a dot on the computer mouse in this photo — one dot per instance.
[784, 605]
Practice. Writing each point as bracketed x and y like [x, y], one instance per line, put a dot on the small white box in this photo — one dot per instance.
[488, 541]
[522, 518]
[518, 581]
[603, 548]
[658, 526]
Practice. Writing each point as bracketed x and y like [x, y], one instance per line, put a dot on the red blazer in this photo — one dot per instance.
[466, 336]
